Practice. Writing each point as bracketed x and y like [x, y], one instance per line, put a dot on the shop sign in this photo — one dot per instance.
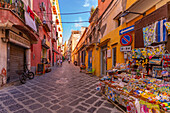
[126, 39]
[19, 40]
[126, 30]
[125, 55]
[109, 53]
[125, 48]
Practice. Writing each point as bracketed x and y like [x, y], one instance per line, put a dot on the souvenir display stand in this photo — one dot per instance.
[142, 84]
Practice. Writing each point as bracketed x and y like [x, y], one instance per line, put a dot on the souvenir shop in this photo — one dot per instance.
[142, 83]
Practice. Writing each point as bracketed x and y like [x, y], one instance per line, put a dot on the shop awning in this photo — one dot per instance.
[138, 6]
[104, 42]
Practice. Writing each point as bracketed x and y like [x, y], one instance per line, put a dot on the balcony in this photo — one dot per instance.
[44, 44]
[46, 24]
[54, 36]
[17, 9]
[13, 15]
[94, 16]
[55, 50]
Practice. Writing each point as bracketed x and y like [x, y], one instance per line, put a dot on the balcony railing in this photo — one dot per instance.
[15, 7]
[43, 43]
[46, 23]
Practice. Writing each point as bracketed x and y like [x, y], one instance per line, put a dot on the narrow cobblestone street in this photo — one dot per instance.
[64, 90]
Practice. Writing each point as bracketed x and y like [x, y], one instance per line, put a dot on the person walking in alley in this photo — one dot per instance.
[58, 62]
[69, 61]
[61, 62]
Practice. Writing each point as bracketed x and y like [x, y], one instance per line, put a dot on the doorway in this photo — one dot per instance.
[104, 60]
[90, 59]
[53, 59]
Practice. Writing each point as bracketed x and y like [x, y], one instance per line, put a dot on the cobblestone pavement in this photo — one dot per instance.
[64, 90]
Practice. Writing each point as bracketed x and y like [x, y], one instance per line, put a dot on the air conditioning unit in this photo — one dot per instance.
[42, 6]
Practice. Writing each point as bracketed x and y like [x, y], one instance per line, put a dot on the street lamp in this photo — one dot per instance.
[128, 12]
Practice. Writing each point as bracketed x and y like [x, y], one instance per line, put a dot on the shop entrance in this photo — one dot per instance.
[104, 60]
[53, 59]
[90, 59]
[17, 61]
[83, 56]
[79, 58]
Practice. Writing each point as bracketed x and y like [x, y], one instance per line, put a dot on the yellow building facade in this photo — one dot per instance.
[110, 29]
[111, 37]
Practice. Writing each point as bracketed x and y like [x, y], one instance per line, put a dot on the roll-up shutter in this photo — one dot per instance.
[16, 61]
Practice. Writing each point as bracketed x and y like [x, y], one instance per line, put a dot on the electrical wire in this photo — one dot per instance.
[68, 13]
[75, 22]
[69, 22]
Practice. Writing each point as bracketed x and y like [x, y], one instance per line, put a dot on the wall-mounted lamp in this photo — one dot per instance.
[2, 31]
[125, 13]
[4, 39]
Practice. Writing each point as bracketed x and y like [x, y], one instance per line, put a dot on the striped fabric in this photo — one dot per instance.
[161, 31]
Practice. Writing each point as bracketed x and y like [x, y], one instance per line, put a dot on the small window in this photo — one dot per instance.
[114, 57]
[119, 22]
[86, 40]
[29, 3]
[20, 34]
[90, 39]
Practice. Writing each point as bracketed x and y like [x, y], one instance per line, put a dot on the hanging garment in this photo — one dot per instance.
[149, 34]
[161, 31]
[30, 12]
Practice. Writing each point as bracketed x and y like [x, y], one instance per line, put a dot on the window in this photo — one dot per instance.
[86, 41]
[56, 35]
[113, 57]
[20, 34]
[117, 22]
[29, 3]
[90, 39]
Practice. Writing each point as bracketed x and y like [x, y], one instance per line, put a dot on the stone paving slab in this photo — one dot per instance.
[64, 90]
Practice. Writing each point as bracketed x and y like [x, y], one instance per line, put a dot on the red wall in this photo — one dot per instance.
[36, 8]
[102, 6]
[37, 48]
